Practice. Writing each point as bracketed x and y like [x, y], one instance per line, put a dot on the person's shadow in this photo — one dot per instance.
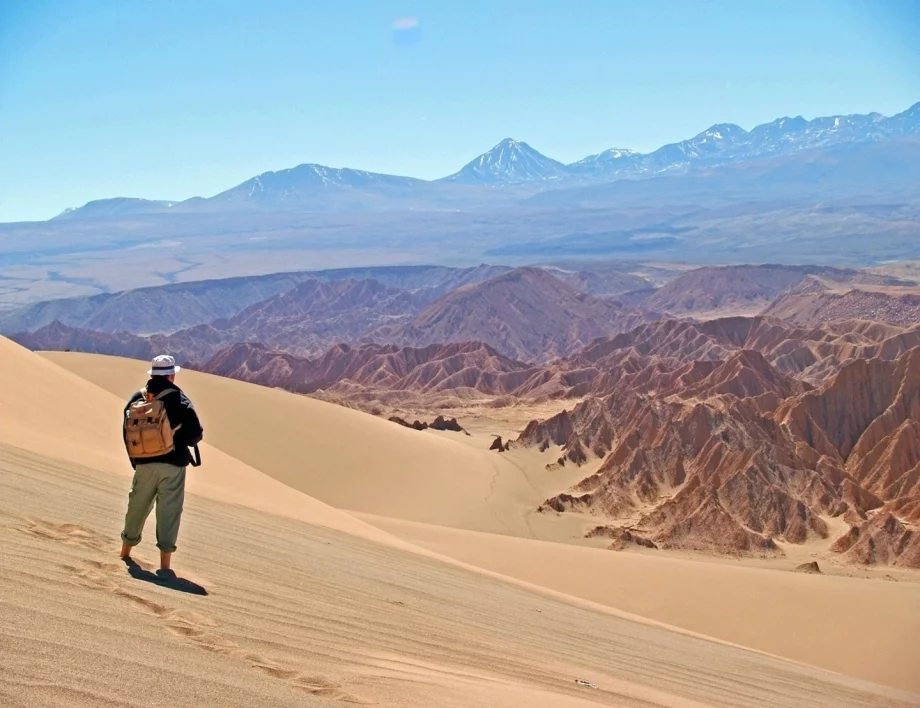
[164, 578]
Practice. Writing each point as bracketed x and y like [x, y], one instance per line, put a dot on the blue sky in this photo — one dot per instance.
[174, 98]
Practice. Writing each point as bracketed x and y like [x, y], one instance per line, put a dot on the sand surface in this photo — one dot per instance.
[866, 628]
[308, 605]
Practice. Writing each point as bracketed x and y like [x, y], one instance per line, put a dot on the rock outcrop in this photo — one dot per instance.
[464, 366]
[439, 423]
[882, 540]
[621, 538]
[738, 456]
[498, 444]
[810, 567]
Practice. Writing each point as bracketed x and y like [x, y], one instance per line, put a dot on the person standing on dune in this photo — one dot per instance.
[160, 425]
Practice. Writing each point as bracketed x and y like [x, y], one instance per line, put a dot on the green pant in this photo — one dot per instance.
[165, 484]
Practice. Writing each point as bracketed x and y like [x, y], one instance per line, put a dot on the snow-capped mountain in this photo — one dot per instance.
[316, 188]
[904, 124]
[610, 160]
[712, 146]
[509, 162]
[727, 143]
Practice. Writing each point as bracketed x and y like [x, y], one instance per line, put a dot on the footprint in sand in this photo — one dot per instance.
[183, 630]
[271, 668]
[91, 578]
[216, 644]
[317, 686]
[184, 624]
[326, 689]
[190, 617]
[143, 604]
[101, 575]
[68, 534]
[110, 568]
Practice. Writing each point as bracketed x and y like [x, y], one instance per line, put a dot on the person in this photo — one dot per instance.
[160, 460]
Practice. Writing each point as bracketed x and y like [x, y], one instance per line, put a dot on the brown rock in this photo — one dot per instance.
[439, 423]
[416, 425]
[883, 540]
[811, 567]
[622, 538]
[727, 469]
[442, 423]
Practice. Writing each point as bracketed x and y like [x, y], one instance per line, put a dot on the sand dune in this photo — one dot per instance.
[83, 430]
[297, 612]
[257, 424]
[343, 457]
[307, 605]
[822, 620]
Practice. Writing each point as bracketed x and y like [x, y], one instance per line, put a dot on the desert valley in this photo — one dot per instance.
[616, 427]
[596, 483]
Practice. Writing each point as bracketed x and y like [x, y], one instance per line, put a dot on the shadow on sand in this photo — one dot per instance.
[164, 578]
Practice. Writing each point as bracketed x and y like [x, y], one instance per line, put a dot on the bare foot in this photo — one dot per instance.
[125, 551]
[165, 560]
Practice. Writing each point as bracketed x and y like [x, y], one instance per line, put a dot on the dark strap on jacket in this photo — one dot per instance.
[195, 457]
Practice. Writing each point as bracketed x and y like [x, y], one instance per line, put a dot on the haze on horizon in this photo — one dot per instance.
[169, 101]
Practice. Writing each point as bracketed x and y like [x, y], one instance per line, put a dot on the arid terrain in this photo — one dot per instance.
[309, 601]
[732, 432]
[625, 416]
[781, 435]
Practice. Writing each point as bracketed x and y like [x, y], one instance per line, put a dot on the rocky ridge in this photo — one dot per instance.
[760, 461]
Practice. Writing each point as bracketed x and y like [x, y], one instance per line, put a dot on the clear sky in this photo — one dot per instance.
[169, 99]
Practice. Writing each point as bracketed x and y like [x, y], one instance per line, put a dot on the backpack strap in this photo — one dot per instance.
[161, 395]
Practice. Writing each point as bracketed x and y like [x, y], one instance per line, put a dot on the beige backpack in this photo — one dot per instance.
[147, 430]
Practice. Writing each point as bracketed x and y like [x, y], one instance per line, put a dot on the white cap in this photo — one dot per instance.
[163, 365]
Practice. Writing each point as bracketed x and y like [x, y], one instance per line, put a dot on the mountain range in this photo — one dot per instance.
[515, 164]
[526, 313]
[842, 191]
[529, 313]
[726, 143]
[168, 308]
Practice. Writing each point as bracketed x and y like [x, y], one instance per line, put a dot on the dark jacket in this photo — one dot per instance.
[180, 411]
